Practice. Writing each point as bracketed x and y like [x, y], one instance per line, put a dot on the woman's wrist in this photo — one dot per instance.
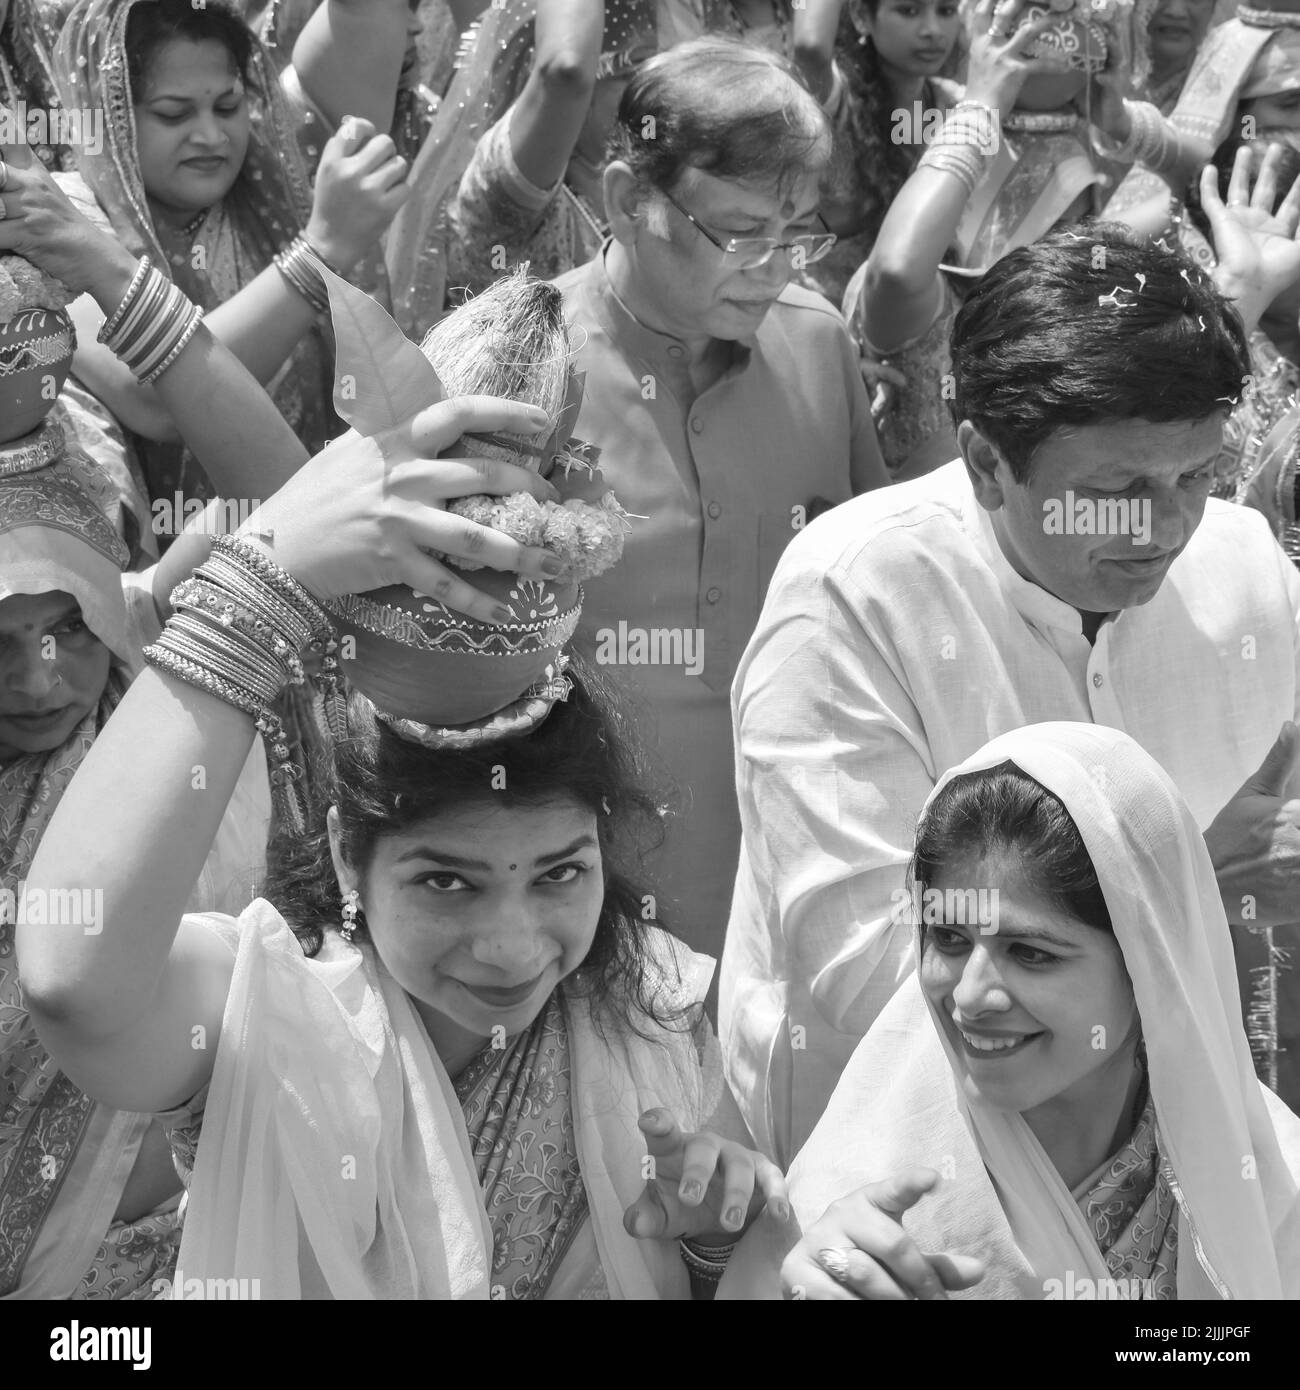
[113, 268]
[338, 257]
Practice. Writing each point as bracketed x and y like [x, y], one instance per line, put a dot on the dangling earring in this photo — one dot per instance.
[351, 910]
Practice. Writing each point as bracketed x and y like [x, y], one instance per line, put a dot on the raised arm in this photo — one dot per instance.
[119, 1010]
[349, 56]
[359, 187]
[901, 290]
[548, 117]
[813, 34]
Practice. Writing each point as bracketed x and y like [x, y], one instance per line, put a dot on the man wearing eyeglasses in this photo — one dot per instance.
[728, 407]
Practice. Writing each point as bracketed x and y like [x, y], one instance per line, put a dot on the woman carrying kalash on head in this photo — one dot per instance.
[1061, 1098]
[431, 1065]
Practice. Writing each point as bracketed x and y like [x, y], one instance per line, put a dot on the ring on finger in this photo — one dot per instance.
[836, 1264]
[4, 176]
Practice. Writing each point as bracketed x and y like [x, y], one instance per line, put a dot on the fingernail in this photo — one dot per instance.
[735, 1217]
[553, 566]
[538, 416]
[781, 1211]
[691, 1191]
[502, 614]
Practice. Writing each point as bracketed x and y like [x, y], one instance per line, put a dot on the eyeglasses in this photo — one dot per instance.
[754, 251]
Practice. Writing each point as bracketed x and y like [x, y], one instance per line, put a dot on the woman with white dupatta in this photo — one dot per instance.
[1061, 1099]
[448, 1058]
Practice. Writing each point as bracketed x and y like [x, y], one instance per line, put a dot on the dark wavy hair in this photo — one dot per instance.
[1004, 809]
[383, 785]
[153, 24]
[723, 107]
[1036, 349]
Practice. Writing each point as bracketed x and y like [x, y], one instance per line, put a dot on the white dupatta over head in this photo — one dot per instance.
[334, 1160]
[1233, 1147]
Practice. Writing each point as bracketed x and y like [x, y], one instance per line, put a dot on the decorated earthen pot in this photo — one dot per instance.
[416, 658]
[1076, 35]
[36, 347]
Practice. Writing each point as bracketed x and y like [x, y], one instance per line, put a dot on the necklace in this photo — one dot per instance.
[584, 210]
[1041, 122]
[1267, 19]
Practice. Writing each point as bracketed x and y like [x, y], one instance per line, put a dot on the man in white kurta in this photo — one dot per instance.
[896, 640]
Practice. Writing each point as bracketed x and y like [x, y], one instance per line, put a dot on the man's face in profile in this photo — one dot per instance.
[1108, 508]
[699, 290]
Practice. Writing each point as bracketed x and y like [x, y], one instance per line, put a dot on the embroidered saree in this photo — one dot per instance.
[337, 1159]
[237, 239]
[64, 1160]
[1170, 1209]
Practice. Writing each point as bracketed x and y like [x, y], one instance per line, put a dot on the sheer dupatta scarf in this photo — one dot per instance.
[334, 1160]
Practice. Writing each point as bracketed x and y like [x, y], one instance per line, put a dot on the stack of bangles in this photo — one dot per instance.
[151, 326]
[300, 264]
[968, 136]
[238, 631]
[706, 1262]
[1148, 142]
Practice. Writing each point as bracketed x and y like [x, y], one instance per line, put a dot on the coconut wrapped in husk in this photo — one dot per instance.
[417, 660]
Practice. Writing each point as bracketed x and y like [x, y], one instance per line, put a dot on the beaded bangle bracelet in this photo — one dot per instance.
[291, 628]
[237, 612]
[279, 578]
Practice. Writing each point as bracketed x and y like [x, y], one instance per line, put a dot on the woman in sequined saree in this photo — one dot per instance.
[200, 169]
[1063, 1093]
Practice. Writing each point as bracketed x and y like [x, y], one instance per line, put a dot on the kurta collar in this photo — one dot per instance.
[1032, 601]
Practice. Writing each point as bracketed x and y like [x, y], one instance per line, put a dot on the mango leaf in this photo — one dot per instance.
[380, 377]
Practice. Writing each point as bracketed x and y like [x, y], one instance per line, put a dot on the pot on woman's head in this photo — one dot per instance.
[1076, 36]
[36, 347]
[419, 660]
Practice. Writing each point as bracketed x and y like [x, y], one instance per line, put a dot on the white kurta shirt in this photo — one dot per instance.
[895, 641]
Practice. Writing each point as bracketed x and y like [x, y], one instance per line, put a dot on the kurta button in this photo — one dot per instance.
[675, 351]
[713, 595]
[715, 511]
[697, 425]
[1097, 681]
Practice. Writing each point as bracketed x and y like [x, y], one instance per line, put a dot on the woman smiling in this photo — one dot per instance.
[1078, 1109]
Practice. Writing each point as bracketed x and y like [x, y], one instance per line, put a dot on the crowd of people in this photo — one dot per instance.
[649, 649]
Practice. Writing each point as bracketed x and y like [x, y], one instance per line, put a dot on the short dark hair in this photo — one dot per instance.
[723, 107]
[150, 26]
[1003, 808]
[1037, 346]
[585, 749]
